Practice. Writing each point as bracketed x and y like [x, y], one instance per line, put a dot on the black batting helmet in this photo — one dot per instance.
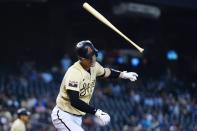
[23, 111]
[86, 49]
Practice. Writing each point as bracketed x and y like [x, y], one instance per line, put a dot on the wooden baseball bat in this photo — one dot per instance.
[100, 17]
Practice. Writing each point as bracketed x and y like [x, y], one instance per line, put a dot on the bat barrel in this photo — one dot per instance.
[100, 17]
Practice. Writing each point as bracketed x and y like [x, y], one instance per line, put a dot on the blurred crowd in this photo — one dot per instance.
[165, 103]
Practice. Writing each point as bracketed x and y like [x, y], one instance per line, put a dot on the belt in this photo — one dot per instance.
[66, 99]
[73, 114]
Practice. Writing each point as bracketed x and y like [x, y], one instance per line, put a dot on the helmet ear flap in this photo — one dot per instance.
[96, 52]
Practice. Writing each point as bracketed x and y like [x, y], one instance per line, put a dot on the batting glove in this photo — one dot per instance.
[104, 118]
[132, 76]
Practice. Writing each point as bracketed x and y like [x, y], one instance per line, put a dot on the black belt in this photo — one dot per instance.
[73, 114]
[66, 99]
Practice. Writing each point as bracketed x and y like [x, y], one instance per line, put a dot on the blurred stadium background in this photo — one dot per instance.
[37, 40]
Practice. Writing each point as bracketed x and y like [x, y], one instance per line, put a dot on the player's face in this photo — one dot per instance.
[25, 118]
[89, 62]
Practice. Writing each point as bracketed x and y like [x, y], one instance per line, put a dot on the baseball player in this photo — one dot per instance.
[77, 88]
[23, 118]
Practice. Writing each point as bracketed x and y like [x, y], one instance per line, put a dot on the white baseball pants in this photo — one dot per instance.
[64, 121]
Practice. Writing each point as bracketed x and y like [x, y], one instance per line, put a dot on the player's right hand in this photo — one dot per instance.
[104, 118]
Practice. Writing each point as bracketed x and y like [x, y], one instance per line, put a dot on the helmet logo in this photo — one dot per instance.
[80, 44]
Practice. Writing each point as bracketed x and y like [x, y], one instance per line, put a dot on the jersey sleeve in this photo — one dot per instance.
[99, 69]
[73, 79]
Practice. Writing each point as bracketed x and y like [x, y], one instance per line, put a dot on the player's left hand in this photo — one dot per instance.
[132, 76]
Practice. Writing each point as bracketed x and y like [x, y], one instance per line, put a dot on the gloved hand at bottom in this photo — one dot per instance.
[102, 118]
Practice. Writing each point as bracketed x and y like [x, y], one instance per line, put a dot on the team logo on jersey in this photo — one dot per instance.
[72, 83]
[87, 88]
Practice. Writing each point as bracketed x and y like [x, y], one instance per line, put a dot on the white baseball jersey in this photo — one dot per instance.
[78, 79]
[18, 125]
[64, 116]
